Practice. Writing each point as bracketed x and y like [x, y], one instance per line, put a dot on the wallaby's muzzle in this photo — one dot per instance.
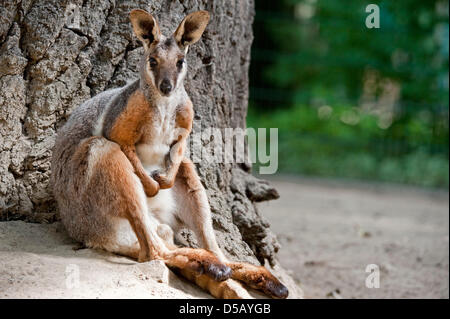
[165, 87]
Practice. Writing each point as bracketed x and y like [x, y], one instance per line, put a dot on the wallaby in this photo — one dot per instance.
[120, 177]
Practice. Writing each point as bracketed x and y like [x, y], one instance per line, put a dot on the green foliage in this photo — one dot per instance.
[333, 48]
[313, 62]
[313, 144]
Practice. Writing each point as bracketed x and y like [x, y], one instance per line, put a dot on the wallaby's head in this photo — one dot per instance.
[163, 64]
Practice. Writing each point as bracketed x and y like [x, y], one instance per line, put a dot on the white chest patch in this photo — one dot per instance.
[153, 152]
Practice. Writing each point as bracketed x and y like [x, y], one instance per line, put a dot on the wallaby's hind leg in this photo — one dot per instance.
[115, 217]
[194, 211]
[193, 207]
[118, 199]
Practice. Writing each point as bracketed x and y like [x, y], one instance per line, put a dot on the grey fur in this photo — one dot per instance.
[117, 105]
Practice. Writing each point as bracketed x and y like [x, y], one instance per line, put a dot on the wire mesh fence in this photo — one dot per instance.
[400, 136]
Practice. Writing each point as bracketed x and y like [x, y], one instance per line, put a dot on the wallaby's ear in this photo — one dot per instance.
[191, 28]
[145, 27]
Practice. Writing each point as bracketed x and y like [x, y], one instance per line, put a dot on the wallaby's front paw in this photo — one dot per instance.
[157, 175]
[201, 262]
[162, 179]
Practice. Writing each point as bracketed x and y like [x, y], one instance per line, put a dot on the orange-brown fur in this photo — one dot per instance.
[127, 131]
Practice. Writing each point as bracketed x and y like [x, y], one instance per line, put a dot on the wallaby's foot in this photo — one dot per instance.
[258, 277]
[199, 261]
[227, 289]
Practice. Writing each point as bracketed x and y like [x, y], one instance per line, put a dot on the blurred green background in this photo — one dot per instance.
[349, 101]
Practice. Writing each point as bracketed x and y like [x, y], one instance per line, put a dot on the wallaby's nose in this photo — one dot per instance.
[165, 86]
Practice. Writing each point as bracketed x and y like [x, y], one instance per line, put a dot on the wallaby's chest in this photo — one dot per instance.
[158, 133]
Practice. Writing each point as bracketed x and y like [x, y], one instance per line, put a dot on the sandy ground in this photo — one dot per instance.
[40, 261]
[330, 232]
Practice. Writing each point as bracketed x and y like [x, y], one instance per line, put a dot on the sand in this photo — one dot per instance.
[330, 231]
[38, 261]
[41, 261]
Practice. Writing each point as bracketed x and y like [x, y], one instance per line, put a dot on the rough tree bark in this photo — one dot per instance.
[54, 54]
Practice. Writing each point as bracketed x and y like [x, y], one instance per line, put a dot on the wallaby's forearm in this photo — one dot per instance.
[172, 160]
[151, 187]
[126, 131]
[166, 178]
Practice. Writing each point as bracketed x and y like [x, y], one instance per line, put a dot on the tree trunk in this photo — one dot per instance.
[56, 54]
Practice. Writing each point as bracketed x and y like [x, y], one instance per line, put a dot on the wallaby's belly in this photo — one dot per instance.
[152, 158]
[162, 205]
[152, 155]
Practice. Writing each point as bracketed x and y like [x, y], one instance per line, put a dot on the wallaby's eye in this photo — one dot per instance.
[180, 63]
[153, 62]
